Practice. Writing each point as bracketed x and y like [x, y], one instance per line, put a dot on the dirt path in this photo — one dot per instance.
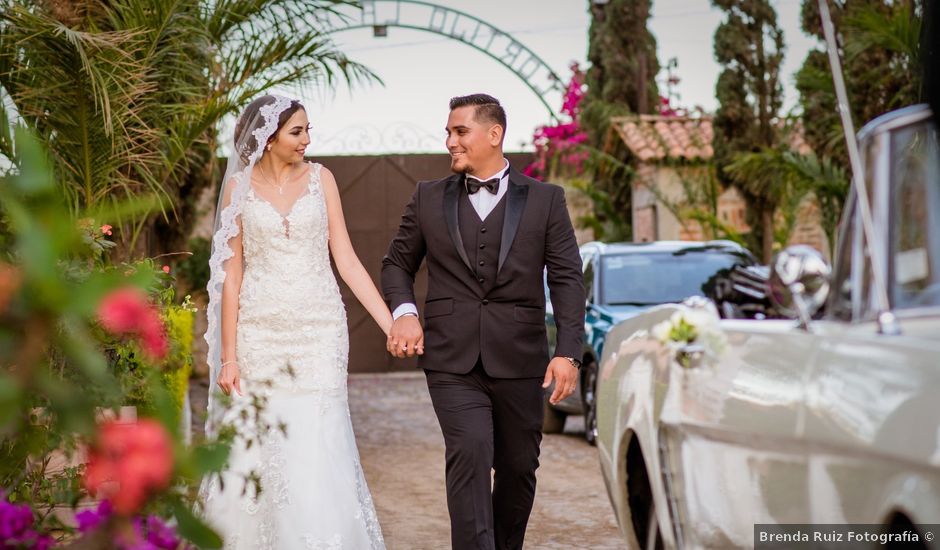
[403, 457]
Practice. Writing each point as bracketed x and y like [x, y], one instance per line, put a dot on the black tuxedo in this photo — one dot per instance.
[501, 319]
[485, 344]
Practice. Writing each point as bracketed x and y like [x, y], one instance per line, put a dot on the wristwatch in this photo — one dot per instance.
[574, 362]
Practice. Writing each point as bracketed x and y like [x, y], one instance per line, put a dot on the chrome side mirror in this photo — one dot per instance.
[799, 282]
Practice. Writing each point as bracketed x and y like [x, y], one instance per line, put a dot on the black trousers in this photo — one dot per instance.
[489, 425]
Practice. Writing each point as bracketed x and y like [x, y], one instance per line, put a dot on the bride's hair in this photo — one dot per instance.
[250, 120]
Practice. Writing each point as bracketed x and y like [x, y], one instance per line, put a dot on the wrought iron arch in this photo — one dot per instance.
[463, 27]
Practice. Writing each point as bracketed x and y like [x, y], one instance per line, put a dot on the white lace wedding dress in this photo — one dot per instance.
[291, 317]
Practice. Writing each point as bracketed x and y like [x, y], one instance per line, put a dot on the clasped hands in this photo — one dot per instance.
[406, 337]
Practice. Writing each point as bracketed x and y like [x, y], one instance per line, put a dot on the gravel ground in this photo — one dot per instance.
[402, 454]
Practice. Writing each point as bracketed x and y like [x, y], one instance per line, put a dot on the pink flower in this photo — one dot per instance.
[126, 311]
[128, 463]
[153, 338]
[106, 229]
[166, 269]
[122, 311]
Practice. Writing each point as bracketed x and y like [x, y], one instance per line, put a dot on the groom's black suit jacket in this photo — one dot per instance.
[492, 312]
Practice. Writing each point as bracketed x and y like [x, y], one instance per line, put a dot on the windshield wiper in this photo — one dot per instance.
[699, 248]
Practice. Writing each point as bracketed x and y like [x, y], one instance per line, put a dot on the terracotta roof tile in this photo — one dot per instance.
[653, 137]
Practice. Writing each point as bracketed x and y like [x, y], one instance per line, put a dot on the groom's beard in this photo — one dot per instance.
[463, 170]
[460, 162]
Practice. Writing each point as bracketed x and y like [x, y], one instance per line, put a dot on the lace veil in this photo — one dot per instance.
[257, 124]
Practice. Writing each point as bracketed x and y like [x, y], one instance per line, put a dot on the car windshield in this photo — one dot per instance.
[650, 278]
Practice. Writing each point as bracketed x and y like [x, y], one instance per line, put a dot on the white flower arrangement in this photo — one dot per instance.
[691, 334]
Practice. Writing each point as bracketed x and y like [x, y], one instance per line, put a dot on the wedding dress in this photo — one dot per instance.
[292, 346]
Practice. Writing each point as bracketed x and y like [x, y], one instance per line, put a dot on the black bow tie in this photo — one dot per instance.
[474, 185]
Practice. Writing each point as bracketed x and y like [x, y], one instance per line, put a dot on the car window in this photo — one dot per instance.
[589, 279]
[841, 298]
[915, 241]
[657, 278]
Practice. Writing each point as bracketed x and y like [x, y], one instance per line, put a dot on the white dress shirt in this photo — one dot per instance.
[483, 203]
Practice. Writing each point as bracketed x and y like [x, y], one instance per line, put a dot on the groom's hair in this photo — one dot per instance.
[487, 108]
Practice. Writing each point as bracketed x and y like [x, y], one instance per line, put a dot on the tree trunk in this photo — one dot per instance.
[767, 225]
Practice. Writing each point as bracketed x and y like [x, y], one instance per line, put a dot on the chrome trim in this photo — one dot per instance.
[670, 488]
[858, 171]
[911, 313]
[895, 119]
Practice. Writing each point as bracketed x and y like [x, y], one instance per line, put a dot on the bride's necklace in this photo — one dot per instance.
[280, 187]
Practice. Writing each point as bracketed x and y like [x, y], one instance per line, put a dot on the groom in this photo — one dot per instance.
[487, 233]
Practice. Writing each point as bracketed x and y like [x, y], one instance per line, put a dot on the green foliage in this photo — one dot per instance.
[881, 67]
[621, 81]
[127, 93]
[699, 202]
[194, 269]
[55, 372]
[749, 45]
[179, 364]
[607, 222]
[785, 178]
[622, 53]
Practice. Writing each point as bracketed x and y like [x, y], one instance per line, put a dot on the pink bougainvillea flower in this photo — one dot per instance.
[166, 269]
[561, 140]
[89, 520]
[106, 229]
[126, 311]
[128, 463]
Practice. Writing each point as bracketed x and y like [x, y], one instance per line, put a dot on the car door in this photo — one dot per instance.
[872, 411]
[729, 430]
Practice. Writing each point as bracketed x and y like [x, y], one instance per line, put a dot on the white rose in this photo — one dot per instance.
[661, 331]
[699, 319]
[715, 341]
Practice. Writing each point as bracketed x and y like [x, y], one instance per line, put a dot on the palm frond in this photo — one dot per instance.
[128, 93]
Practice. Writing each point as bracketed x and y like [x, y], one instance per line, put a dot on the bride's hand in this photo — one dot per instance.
[230, 378]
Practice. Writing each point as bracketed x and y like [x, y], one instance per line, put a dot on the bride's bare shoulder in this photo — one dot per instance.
[326, 176]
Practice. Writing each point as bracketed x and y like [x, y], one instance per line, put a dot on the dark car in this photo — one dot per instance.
[624, 279]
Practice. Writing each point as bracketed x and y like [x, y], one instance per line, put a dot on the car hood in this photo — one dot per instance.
[615, 314]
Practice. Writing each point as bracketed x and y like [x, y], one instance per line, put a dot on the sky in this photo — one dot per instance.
[421, 70]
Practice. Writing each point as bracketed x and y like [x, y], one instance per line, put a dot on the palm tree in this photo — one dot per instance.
[783, 178]
[879, 43]
[127, 94]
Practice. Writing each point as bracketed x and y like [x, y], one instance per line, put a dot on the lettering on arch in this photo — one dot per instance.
[463, 27]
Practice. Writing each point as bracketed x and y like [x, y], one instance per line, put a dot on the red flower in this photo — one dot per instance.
[126, 311]
[128, 463]
[106, 229]
[166, 269]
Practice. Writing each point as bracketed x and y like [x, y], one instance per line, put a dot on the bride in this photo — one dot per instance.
[277, 329]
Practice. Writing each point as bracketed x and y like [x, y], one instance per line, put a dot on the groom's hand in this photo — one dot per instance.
[406, 338]
[565, 376]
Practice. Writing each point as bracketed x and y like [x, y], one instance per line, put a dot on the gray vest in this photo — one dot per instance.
[481, 239]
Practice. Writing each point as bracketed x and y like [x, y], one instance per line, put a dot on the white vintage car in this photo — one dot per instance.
[832, 417]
